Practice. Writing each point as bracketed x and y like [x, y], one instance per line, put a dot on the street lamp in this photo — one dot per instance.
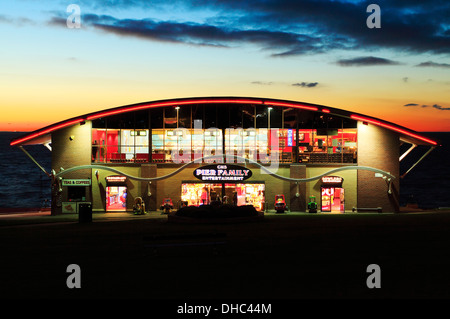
[177, 108]
[269, 109]
[268, 129]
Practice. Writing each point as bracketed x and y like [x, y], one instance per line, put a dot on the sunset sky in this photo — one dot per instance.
[318, 52]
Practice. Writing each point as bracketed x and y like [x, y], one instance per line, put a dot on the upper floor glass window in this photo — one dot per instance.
[166, 135]
[120, 145]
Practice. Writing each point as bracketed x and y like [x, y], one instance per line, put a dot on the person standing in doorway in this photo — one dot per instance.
[94, 151]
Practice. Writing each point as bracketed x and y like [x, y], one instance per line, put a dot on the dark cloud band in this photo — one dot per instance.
[289, 27]
[306, 84]
[366, 61]
[436, 106]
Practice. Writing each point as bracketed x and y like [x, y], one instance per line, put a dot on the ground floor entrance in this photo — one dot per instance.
[116, 198]
[333, 199]
[239, 194]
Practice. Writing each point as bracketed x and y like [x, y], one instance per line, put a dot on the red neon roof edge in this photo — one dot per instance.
[299, 106]
[151, 105]
[243, 100]
[48, 130]
[391, 127]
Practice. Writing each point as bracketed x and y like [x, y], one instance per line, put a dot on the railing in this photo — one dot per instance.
[284, 158]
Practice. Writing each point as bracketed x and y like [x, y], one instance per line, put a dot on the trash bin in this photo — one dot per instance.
[85, 213]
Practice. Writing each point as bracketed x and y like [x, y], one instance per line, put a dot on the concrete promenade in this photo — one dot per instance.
[288, 256]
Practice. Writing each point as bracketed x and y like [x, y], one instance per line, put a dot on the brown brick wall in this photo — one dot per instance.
[378, 148]
[66, 153]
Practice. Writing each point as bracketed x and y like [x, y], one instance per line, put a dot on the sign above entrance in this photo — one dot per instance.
[116, 180]
[222, 172]
[332, 180]
[76, 182]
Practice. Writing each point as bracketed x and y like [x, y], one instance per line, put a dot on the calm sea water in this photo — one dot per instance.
[23, 184]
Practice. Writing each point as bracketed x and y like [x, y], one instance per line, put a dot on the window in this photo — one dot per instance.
[327, 146]
[119, 145]
[259, 133]
[76, 193]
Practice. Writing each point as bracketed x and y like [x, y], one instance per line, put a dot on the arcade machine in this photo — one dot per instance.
[280, 203]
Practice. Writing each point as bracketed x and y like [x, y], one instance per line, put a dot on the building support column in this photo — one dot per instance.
[297, 189]
[148, 189]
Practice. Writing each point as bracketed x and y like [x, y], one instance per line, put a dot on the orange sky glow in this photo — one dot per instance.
[73, 71]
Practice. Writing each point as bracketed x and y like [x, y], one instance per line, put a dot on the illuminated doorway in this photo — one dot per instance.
[333, 199]
[116, 198]
[196, 194]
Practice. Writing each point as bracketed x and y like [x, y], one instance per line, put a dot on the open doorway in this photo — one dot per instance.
[196, 194]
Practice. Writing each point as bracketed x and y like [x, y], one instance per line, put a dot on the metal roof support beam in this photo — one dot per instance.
[420, 159]
[31, 157]
[47, 145]
[407, 152]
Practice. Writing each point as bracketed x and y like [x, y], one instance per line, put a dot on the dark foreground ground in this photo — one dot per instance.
[289, 256]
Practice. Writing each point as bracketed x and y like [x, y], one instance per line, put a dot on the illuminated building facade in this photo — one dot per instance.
[240, 151]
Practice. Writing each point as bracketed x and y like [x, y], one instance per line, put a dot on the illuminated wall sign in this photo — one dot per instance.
[76, 182]
[332, 180]
[289, 138]
[116, 180]
[222, 172]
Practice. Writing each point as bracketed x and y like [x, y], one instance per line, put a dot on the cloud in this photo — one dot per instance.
[306, 84]
[441, 108]
[18, 21]
[286, 27]
[262, 83]
[433, 64]
[366, 61]
[436, 106]
[199, 34]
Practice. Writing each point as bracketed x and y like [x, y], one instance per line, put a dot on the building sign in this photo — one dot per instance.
[336, 180]
[222, 172]
[289, 138]
[76, 182]
[116, 180]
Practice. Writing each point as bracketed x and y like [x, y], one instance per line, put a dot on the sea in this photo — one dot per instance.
[24, 185]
